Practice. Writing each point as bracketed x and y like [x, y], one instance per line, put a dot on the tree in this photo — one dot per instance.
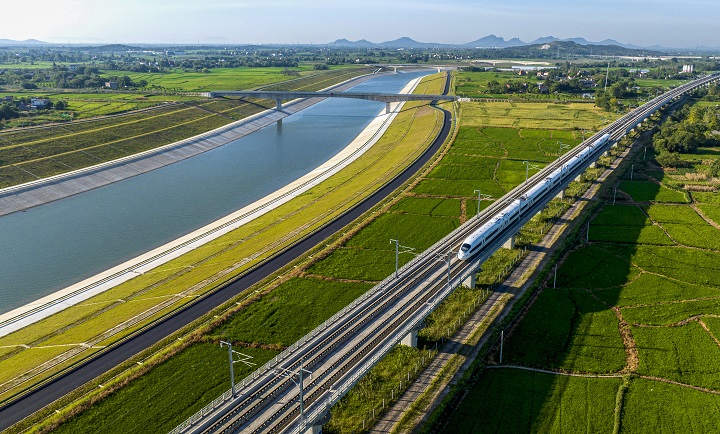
[671, 159]
[715, 169]
[8, 111]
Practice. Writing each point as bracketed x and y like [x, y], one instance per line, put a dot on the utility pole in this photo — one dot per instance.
[527, 168]
[606, 76]
[299, 383]
[614, 193]
[562, 145]
[446, 258]
[397, 254]
[244, 358]
[405, 249]
[502, 338]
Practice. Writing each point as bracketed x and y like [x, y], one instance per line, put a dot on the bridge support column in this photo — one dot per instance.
[593, 164]
[561, 194]
[510, 243]
[606, 153]
[316, 428]
[471, 280]
[387, 108]
[410, 339]
[578, 178]
[278, 104]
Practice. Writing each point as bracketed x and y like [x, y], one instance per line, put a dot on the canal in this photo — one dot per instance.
[52, 246]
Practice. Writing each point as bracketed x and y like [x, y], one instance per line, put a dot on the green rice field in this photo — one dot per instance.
[639, 301]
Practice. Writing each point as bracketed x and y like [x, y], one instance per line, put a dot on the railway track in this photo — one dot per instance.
[343, 348]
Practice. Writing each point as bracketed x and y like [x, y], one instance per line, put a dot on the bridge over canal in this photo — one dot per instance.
[280, 96]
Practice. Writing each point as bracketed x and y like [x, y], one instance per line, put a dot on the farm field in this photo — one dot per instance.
[27, 155]
[548, 115]
[637, 304]
[219, 78]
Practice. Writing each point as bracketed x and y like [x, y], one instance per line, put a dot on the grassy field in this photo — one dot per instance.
[561, 116]
[204, 268]
[640, 300]
[215, 79]
[515, 401]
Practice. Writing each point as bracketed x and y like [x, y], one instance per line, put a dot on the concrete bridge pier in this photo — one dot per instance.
[410, 339]
[387, 108]
[278, 104]
[561, 194]
[510, 243]
[471, 280]
[593, 164]
[316, 427]
[394, 69]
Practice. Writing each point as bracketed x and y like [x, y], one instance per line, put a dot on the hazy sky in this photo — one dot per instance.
[670, 23]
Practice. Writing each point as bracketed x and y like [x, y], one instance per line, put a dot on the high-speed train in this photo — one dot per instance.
[509, 215]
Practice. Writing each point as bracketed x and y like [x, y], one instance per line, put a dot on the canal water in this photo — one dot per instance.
[50, 247]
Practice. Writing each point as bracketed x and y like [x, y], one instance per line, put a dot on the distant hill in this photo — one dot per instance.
[492, 41]
[362, 43]
[554, 48]
[6, 42]
[406, 42]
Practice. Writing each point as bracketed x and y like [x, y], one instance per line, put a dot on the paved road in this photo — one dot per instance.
[24, 406]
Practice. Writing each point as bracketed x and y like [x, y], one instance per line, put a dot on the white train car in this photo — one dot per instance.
[511, 213]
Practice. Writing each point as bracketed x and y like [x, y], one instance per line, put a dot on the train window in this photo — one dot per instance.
[465, 247]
